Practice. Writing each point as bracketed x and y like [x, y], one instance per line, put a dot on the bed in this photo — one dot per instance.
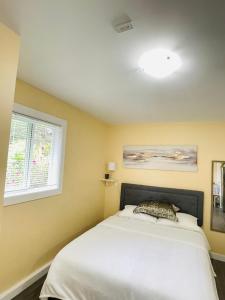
[124, 258]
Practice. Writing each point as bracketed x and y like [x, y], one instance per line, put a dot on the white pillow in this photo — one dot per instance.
[128, 212]
[184, 221]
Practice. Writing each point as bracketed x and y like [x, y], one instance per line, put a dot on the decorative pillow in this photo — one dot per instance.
[128, 212]
[157, 209]
[175, 208]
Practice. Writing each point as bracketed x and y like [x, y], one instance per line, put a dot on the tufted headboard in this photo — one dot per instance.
[190, 202]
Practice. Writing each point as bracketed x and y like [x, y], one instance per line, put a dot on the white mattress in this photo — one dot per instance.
[129, 259]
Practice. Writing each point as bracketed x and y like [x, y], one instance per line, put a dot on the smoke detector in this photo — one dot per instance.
[123, 24]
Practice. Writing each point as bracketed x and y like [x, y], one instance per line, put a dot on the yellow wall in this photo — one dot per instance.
[34, 231]
[9, 52]
[209, 137]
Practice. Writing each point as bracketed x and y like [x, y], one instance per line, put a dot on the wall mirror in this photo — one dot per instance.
[218, 196]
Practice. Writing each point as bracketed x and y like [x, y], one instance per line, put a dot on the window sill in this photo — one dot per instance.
[21, 197]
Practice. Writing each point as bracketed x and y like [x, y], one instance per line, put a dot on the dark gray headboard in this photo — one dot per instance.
[190, 202]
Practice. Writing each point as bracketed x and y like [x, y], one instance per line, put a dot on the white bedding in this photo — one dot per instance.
[130, 259]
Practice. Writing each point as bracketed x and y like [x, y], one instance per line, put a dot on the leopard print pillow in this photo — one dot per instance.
[157, 209]
[175, 208]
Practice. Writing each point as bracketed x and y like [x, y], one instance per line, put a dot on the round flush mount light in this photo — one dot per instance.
[159, 63]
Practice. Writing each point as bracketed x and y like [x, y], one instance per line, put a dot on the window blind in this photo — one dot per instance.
[31, 155]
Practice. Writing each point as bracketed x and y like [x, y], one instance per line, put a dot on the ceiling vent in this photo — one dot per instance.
[123, 24]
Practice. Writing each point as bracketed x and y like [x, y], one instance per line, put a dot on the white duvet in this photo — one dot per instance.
[129, 259]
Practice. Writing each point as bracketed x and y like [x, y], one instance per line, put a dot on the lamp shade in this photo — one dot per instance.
[111, 166]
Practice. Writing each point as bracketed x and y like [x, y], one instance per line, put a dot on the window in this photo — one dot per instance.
[35, 156]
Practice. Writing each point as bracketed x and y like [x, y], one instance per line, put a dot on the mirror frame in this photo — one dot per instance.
[211, 228]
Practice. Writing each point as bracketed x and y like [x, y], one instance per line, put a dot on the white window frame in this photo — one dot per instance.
[11, 198]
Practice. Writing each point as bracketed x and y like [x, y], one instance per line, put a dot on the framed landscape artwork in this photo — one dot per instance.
[174, 158]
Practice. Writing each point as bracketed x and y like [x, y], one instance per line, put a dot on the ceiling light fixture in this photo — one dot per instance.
[160, 63]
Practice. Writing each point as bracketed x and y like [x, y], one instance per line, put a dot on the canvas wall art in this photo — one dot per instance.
[174, 158]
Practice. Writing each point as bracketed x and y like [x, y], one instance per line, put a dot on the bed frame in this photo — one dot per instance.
[190, 202]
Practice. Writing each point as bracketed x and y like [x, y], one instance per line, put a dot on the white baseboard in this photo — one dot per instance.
[217, 256]
[25, 283]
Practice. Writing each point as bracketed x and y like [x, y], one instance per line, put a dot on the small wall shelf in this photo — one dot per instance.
[108, 181]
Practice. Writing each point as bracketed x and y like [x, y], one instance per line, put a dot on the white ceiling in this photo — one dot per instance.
[70, 50]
